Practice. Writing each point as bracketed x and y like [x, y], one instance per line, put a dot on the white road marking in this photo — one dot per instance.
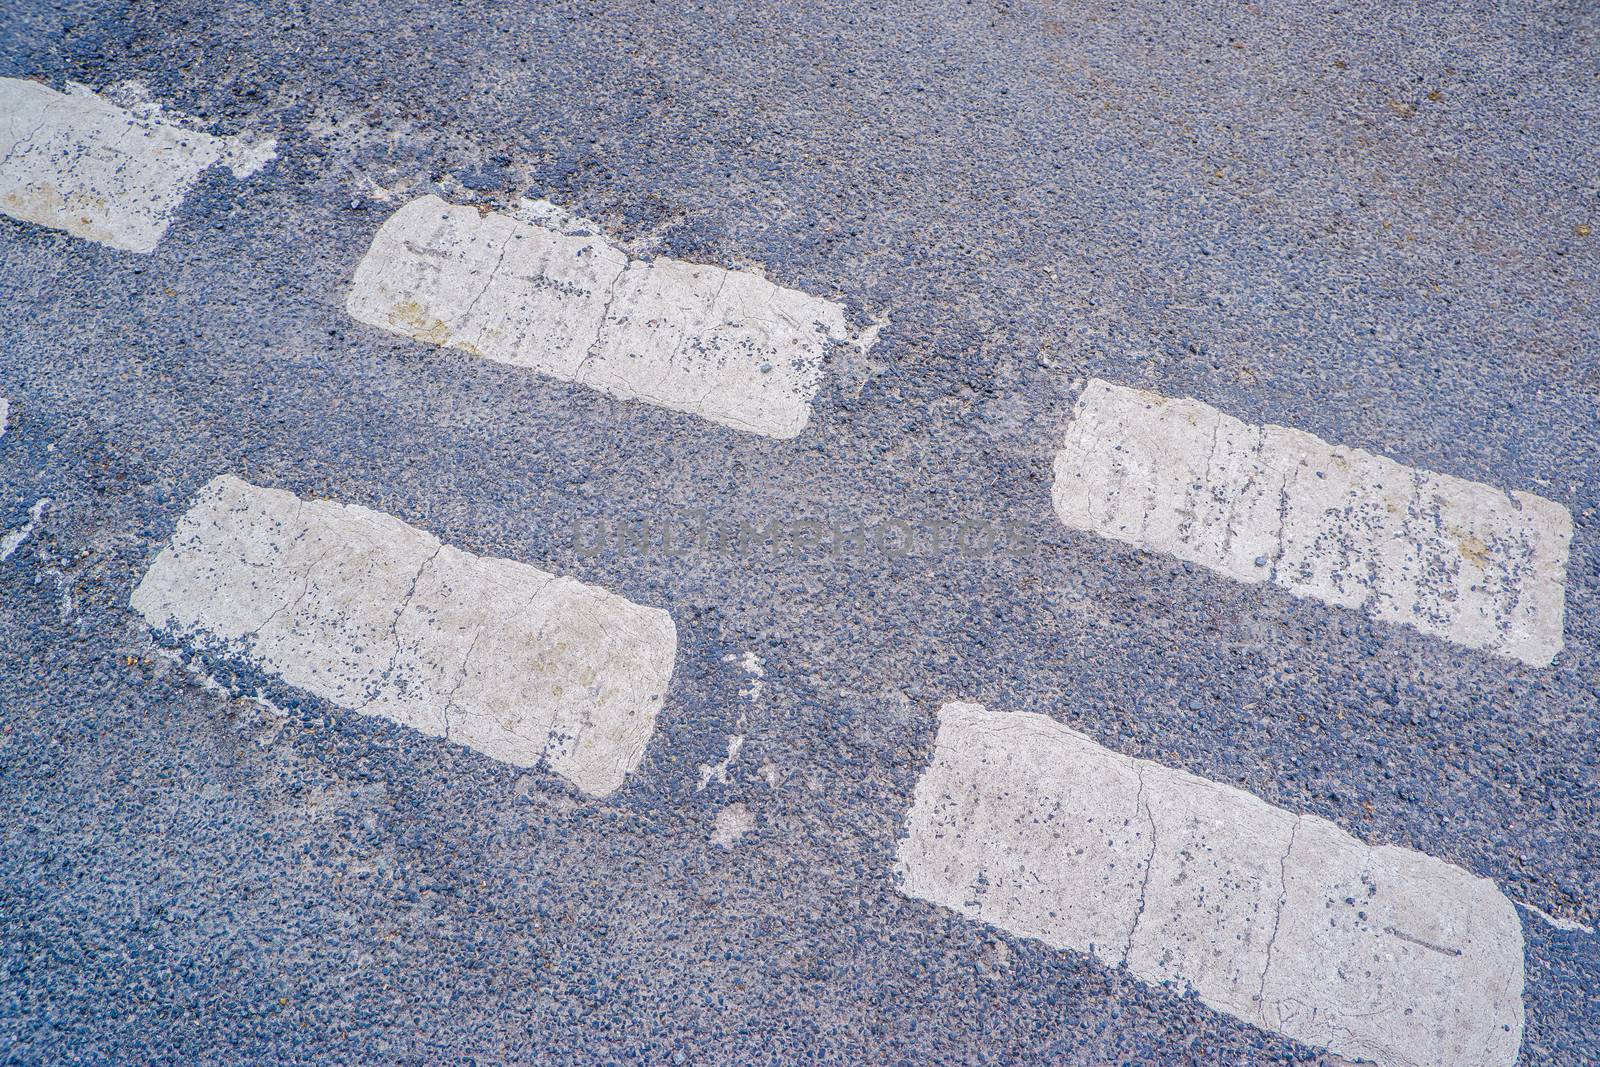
[5, 414]
[726, 345]
[1452, 558]
[1282, 920]
[78, 162]
[375, 615]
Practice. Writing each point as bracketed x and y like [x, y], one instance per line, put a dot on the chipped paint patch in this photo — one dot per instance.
[78, 162]
[372, 614]
[1452, 558]
[13, 540]
[1566, 926]
[732, 823]
[1282, 920]
[210, 684]
[718, 772]
[756, 669]
[543, 290]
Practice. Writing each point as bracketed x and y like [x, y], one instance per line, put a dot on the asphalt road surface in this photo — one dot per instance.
[984, 532]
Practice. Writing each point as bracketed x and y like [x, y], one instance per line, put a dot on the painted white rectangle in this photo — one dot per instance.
[372, 614]
[1282, 920]
[77, 162]
[726, 345]
[1452, 558]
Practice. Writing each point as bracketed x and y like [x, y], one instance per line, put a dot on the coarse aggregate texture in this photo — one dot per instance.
[1367, 223]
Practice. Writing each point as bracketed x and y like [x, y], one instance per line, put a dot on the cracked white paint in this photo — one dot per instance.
[1452, 558]
[375, 615]
[1282, 920]
[726, 345]
[78, 162]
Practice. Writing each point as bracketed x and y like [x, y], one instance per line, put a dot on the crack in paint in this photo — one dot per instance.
[1277, 918]
[1149, 861]
[394, 630]
[466, 664]
[494, 272]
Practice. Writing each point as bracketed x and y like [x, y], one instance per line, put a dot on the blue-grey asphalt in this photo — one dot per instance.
[1366, 221]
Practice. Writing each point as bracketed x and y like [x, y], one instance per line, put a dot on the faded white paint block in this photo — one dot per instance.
[1452, 558]
[375, 615]
[77, 162]
[726, 345]
[1282, 920]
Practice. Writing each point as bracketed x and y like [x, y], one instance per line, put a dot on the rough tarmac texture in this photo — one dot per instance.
[1368, 224]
